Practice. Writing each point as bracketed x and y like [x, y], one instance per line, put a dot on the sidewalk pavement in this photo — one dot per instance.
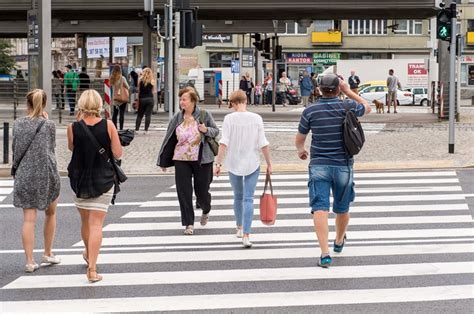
[400, 145]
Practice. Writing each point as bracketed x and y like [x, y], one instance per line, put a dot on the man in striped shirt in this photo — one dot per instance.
[330, 167]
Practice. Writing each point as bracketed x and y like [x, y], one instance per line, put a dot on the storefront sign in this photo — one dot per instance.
[326, 58]
[299, 58]
[97, 46]
[217, 38]
[417, 75]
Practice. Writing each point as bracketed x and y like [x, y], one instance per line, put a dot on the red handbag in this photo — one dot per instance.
[268, 204]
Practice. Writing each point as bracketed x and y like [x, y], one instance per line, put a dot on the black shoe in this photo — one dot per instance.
[338, 248]
[325, 261]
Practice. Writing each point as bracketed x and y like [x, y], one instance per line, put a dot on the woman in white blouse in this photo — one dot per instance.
[243, 138]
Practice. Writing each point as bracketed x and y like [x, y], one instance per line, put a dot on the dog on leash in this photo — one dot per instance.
[378, 105]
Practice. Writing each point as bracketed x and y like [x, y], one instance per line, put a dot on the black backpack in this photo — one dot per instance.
[352, 133]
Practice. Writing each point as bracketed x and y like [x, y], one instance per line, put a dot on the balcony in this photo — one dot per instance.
[470, 38]
[329, 38]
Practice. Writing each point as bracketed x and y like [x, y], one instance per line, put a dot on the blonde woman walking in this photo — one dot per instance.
[90, 174]
[146, 90]
[243, 137]
[117, 80]
[36, 180]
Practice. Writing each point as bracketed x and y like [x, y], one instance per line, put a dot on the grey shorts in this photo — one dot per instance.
[391, 96]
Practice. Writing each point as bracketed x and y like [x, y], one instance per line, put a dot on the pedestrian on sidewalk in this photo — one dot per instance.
[186, 148]
[71, 84]
[269, 89]
[392, 83]
[91, 175]
[354, 82]
[56, 89]
[243, 137]
[258, 93]
[247, 86]
[146, 90]
[117, 81]
[36, 181]
[306, 87]
[330, 167]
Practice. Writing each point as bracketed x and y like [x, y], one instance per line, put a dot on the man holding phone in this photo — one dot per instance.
[330, 167]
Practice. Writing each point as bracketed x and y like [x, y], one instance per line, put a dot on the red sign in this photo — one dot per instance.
[300, 60]
[417, 69]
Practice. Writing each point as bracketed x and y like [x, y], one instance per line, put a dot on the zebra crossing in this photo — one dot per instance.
[410, 241]
[6, 188]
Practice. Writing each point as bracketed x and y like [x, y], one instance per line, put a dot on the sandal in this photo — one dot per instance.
[91, 278]
[189, 230]
[84, 256]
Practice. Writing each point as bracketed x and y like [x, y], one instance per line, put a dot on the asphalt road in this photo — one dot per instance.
[410, 249]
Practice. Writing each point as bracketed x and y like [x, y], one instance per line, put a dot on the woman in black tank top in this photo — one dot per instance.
[146, 90]
[91, 176]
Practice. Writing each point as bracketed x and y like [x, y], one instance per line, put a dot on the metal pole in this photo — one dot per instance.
[6, 144]
[45, 51]
[175, 61]
[15, 98]
[169, 59]
[452, 78]
[274, 81]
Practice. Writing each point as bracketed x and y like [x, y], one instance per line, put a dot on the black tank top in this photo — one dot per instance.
[90, 174]
[146, 91]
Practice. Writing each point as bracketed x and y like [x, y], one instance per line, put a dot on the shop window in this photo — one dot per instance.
[220, 60]
[367, 27]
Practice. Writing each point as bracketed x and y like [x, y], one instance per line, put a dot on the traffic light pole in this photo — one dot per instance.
[275, 78]
[452, 78]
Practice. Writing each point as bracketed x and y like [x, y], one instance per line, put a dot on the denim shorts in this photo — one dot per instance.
[323, 180]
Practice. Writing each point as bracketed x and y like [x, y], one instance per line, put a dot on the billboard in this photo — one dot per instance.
[97, 46]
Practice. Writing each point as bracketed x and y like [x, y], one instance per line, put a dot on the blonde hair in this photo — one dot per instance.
[36, 102]
[147, 76]
[116, 74]
[90, 103]
[237, 97]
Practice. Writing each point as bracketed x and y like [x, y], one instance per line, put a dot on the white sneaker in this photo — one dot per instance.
[50, 259]
[239, 233]
[246, 242]
[29, 268]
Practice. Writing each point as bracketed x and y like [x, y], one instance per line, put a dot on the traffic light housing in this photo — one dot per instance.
[278, 53]
[443, 24]
[190, 31]
[258, 41]
[267, 45]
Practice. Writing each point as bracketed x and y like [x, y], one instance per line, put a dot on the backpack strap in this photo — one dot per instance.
[202, 116]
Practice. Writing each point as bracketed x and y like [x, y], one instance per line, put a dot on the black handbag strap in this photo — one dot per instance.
[94, 141]
[17, 164]
[268, 181]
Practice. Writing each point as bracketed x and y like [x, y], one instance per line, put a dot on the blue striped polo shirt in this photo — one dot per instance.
[324, 120]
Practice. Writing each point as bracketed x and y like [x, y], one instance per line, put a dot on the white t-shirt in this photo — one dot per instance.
[243, 134]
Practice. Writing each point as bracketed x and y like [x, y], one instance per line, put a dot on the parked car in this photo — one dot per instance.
[371, 83]
[421, 95]
[379, 92]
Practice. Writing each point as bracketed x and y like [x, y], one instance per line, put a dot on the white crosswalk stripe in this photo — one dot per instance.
[410, 240]
[6, 188]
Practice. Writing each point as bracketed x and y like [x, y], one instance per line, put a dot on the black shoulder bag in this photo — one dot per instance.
[120, 175]
[15, 165]
[210, 140]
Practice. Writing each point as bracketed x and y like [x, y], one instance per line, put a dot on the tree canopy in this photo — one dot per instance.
[7, 62]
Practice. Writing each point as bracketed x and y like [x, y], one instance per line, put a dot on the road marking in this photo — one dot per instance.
[74, 205]
[248, 300]
[452, 188]
[265, 254]
[6, 183]
[242, 275]
[6, 190]
[295, 200]
[304, 210]
[435, 234]
[296, 223]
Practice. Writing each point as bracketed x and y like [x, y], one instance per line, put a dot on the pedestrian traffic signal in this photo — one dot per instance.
[190, 32]
[443, 24]
[278, 53]
[267, 46]
[258, 41]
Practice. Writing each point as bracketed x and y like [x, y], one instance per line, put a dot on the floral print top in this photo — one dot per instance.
[189, 140]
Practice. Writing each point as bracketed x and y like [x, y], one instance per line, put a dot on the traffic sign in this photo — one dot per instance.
[235, 66]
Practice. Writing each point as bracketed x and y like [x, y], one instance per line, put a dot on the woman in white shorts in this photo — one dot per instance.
[90, 174]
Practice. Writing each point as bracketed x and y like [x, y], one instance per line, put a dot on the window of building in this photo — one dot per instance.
[367, 27]
[220, 59]
[470, 25]
[409, 27]
[294, 28]
[326, 25]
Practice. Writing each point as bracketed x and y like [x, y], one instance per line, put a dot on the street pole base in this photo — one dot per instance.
[451, 148]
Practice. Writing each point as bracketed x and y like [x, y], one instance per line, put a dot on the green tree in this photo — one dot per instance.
[7, 62]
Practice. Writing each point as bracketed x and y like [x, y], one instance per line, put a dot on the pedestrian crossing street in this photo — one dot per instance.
[6, 188]
[410, 240]
[289, 127]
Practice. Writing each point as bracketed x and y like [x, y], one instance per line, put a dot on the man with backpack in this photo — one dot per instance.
[331, 162]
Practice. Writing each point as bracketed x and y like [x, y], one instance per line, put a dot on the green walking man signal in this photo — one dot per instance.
[443, 24]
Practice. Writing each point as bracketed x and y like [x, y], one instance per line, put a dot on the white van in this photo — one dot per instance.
[204, 81]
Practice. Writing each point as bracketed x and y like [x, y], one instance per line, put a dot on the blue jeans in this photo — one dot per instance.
[244, 190]
[323, 179]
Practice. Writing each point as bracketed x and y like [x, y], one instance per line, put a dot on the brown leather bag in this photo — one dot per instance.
[121, 94]
[268, 204]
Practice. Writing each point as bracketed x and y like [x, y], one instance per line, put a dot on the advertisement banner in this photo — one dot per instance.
[99, 46]
[417, 75]
[326, 58]
[217, 38]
